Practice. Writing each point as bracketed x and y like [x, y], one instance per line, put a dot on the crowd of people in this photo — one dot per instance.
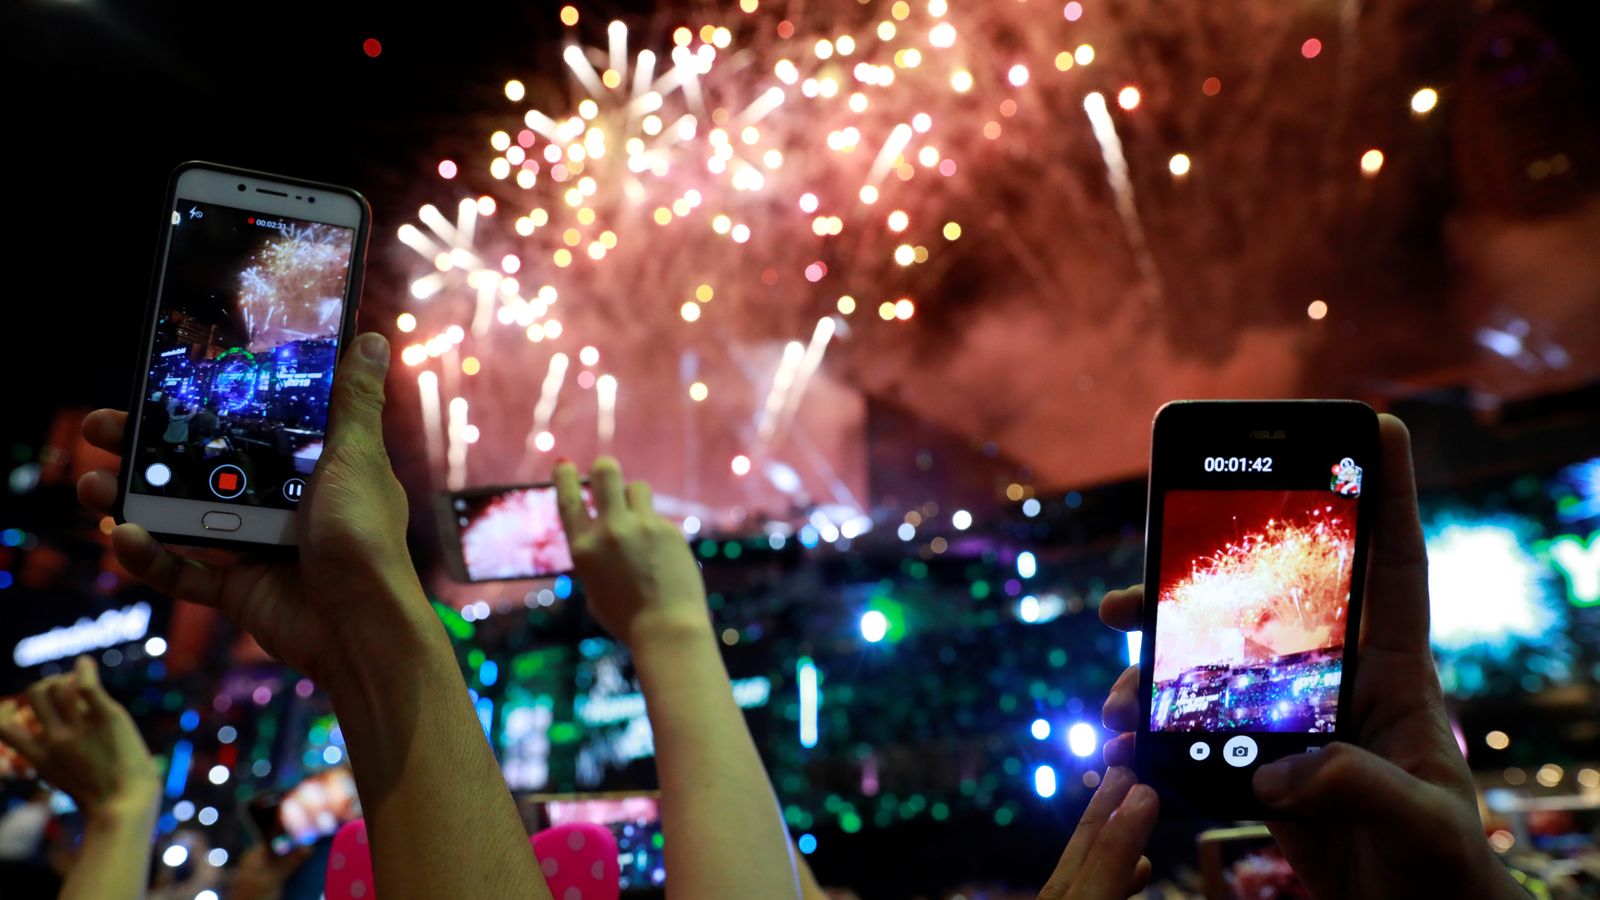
[1390, 814]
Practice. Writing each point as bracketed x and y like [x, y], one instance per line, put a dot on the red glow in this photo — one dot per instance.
[1212, 86]
[786, 29]
[1311, 48]
[371, 47]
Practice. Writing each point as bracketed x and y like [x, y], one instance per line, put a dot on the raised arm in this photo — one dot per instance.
[88, 746]
[351, 613]
[725, 833]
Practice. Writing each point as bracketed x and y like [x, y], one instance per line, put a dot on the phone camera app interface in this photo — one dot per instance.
[1252, 608]
[241, 368]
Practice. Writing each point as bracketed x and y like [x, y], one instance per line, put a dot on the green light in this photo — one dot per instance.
[707, 549]
[658, 840]
[919, 570]
[459, 628]
[563, 733]
[980, 590]
[940, 812]
[894, 613]
[1012, 765]
[1003, 816]
[1038, 689]
[526, 665]
[1008, 703]
[475, 658]
[1058, 658]
[732, 549]
[850, 823]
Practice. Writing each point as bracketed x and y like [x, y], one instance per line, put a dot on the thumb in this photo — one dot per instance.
[355, 414]
[1343, 781]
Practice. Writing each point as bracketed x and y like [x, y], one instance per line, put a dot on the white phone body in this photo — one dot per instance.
[266, 514]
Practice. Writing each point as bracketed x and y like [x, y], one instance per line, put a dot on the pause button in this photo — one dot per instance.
[294, 489]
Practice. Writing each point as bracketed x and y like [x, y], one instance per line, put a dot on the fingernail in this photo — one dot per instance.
[373, 347]
[1272, 782]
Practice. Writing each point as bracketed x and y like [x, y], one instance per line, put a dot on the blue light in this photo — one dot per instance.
[1040, 729]
[1074, 499]
[178, 771]
[809, 537]
[1083, 739]
[810, 700]
[190, 720]
[874, 626]
[1135, 645]
[1044, 782]
[5, 579]
[1027, 564]
[485, 708]
[332, 755]
[807, 844]
[563, 588]
[489, 672]
[11, 537]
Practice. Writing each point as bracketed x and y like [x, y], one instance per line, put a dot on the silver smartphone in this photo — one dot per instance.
[255, 293]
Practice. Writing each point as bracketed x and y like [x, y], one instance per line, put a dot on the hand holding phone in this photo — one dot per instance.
[1391, 813]
[322, 612]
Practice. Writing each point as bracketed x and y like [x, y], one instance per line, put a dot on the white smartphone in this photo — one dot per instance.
[255, 292]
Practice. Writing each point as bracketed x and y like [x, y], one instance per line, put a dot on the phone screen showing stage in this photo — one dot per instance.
[1251, 610]
[512, 533]
[235, 405]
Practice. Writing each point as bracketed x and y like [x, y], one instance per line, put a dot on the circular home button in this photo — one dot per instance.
[227, 482]
[221, 521]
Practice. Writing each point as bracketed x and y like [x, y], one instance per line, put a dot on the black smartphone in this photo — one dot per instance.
[504, 533]
[634, 819]
[255, 292]
[306, 813]
[1255, 561]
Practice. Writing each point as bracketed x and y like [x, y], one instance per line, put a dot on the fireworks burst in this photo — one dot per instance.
[294, 286]
[708, 223]
[1282, 590]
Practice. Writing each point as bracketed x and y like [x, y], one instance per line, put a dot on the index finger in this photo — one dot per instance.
[104, 429]
[1397, 577]
[1106, 799]
[1123, 609]
[1114, 862]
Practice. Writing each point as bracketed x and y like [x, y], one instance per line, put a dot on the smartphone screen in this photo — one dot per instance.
[308, 812]
[635, 820]
[1255, 559]
[241, 367]
[508, 533]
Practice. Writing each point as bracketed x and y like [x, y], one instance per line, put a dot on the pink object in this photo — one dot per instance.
[579, 862]
[349, 864]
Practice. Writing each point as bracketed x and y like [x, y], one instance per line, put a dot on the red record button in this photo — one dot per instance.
[227, 482]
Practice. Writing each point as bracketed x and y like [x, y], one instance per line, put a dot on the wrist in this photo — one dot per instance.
[131, 802]
[666, 632]
[396, 634]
